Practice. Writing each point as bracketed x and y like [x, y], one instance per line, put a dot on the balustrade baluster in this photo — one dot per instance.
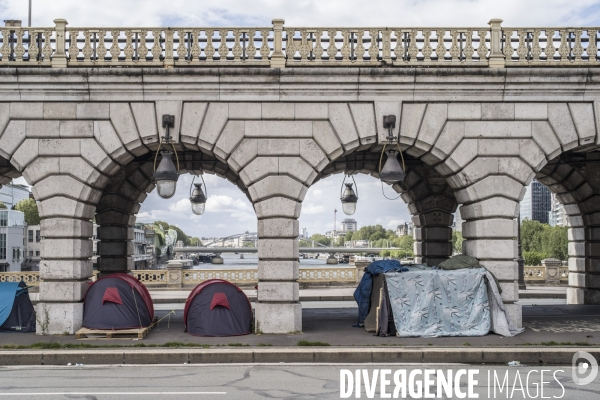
[223, 49]
[440, 50]
[427, 49]
[156, 45]
[101, 51]
[578, 47]
[592, 48]
[209, 49]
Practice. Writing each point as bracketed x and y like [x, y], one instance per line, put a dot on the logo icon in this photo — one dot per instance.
[588, 367]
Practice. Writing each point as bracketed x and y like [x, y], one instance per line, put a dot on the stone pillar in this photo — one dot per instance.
[66, 250]
[59, 58]
[496, 59]
[552, 266]
[490, 233]
[115, 246]
[278, 58]
[433, 237]
[115, 215]
[174, 274]
[278, 309]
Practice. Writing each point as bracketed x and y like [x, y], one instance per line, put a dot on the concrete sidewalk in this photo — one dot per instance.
[553, 334]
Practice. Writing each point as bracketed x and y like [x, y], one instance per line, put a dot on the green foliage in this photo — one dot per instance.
[181, 235]
[163, 225]
[549, 241]
[318, 238]
[248, 244]
[194, 241]
[533, 257]
[457, 241]
[29, 208]
[385, 253]
[3, 206]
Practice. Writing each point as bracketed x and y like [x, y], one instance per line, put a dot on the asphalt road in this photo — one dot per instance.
[289, 381]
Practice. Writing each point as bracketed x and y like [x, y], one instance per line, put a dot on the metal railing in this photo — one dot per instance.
[279, 46]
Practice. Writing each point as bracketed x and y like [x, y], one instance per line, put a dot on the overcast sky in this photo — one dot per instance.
[228, 211]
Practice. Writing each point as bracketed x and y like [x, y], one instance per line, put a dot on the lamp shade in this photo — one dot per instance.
[349, 200]
[198, 199]
[166, 176]
[391, 172]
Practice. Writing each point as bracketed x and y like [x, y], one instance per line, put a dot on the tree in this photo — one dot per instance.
[181, 235]
[533, 258]
[29, 208]
[2, 206]
[544, 240]
[457, 241]
[163, 225]
[194, 241]
[324, 240]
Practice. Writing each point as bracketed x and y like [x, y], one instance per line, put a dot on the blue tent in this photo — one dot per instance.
[16, 311]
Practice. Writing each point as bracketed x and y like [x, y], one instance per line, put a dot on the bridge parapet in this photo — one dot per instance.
[279, 46]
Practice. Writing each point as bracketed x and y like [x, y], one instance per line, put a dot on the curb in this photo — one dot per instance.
[341, 355]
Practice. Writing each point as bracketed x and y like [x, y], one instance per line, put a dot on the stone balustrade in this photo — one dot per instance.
[279, 46]
[192, 277]
[538, 275]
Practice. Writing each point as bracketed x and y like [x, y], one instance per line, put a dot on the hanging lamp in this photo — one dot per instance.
[349, 198]
[166, 175]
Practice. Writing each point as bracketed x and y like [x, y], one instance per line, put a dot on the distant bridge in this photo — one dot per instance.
[329, 250]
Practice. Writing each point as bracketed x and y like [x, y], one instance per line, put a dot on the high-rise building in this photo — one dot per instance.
[12, 194]
[556, 215]
[537, 203]
[349, 225]
[12, 237]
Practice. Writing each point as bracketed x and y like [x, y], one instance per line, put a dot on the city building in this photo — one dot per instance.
[458, 221]
[12, 240]
[141, 258]
[304, 234]
[349, 225]
[556, 215]
[33, 245]
[537, 203]
[404, 229]
[11, 194]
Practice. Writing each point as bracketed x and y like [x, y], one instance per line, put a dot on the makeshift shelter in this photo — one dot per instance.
[217, 308]
[421, 301]
[118, 301]
[16, 311]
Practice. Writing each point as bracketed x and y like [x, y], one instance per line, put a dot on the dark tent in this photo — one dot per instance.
[16, 311]
[218, 308]
[118, 301]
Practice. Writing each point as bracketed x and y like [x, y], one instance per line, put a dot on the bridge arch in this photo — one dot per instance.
[91, 158]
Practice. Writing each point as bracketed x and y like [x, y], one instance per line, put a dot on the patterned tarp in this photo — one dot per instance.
[437, 303]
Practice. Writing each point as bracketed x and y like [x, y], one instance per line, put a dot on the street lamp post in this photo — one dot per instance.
[520, 261]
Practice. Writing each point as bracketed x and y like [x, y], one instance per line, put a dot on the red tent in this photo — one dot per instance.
[118, 301]
[217, 308]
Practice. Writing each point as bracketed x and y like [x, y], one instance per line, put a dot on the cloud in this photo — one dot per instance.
[334, 13]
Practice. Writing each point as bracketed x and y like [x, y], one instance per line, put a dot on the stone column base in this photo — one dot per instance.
[283, 318]
[577, 295]
[58, 318]
[514, 314]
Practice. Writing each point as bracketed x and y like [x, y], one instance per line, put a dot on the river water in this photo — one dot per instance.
[250, 261]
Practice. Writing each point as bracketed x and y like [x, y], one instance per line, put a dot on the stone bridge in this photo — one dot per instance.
[481, 112]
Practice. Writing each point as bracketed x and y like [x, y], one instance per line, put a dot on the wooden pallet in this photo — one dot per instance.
[85, 333]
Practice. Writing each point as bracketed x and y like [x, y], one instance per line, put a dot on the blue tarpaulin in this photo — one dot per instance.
[362, 294]
[8, 292]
